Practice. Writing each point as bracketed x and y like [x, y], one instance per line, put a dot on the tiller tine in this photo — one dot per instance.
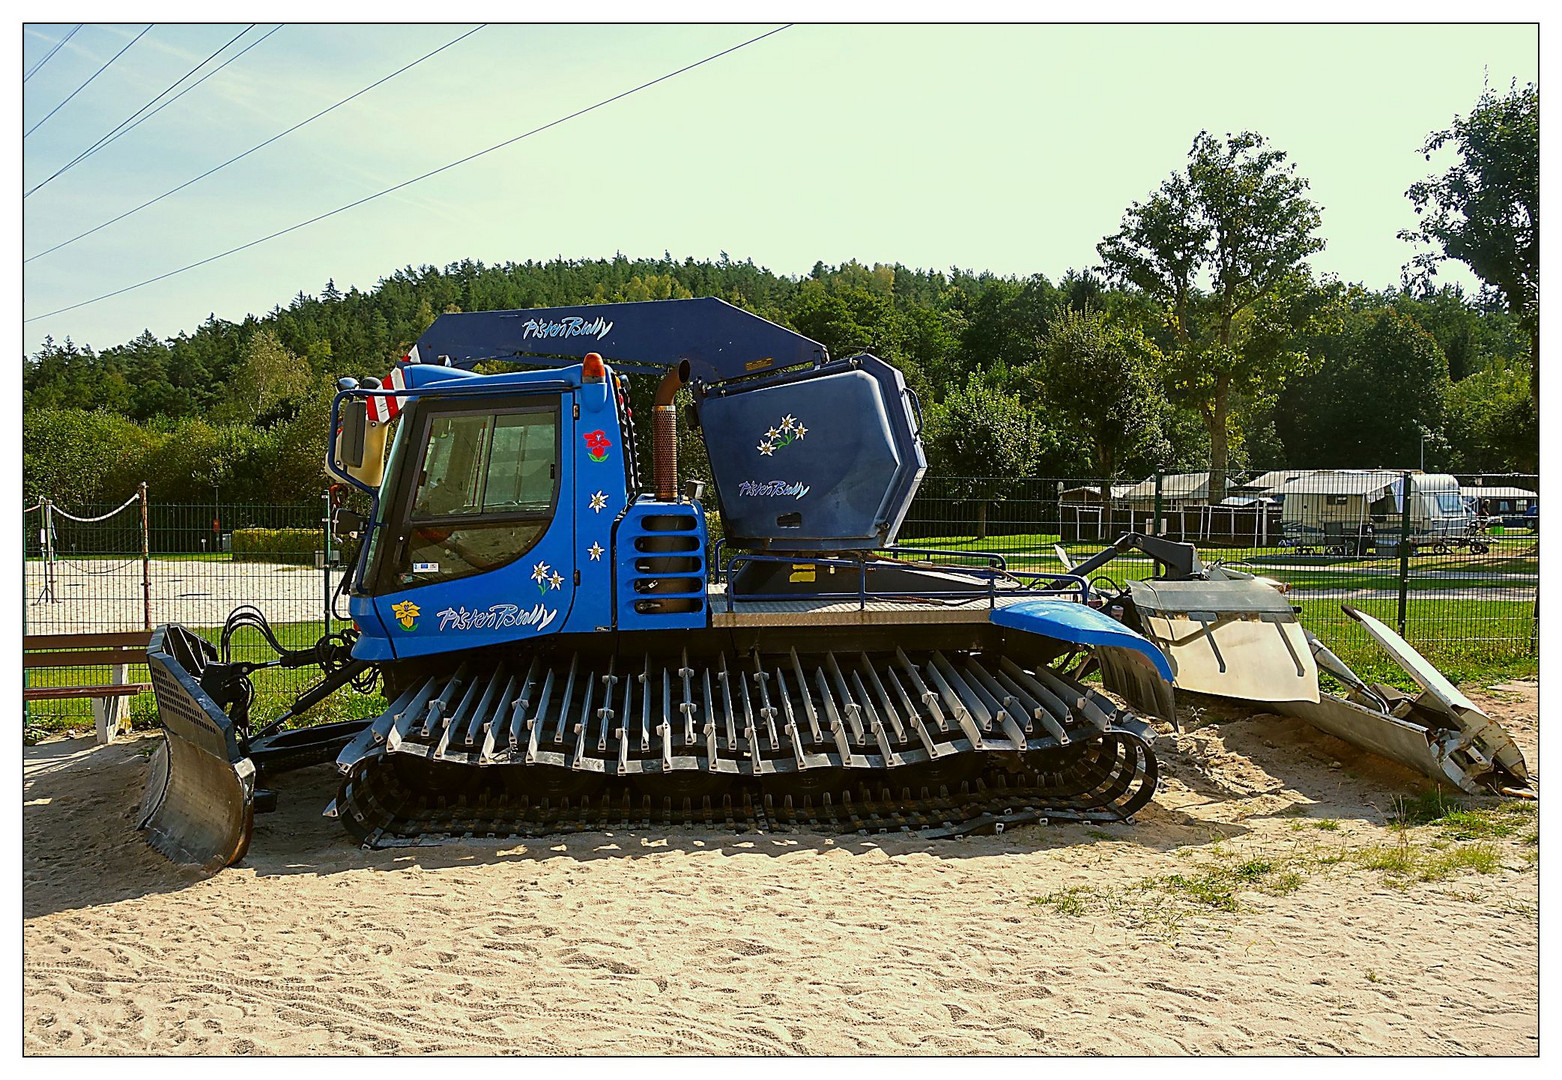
[199, 801]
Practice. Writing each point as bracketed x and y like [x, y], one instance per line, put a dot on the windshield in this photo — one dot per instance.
[482, 496]
[477, 464]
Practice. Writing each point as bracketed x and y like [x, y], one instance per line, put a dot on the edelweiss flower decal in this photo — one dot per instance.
[597, 444]
[406, 613]
[546, 577]
[788, 431]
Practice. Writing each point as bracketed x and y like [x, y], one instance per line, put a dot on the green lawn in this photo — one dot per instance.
[1468, 640]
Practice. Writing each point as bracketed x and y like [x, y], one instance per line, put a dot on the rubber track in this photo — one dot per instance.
[873, 741]
[1114, 779]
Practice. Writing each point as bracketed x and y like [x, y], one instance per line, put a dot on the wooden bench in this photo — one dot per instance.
[116, 650]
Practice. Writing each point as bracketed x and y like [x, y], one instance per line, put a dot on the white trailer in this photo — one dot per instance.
[1344, 508]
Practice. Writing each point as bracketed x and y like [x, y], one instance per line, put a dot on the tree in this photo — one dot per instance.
[1485, 210]
[981, 438]
[269, 376]
[1382, 385]
[1212, 244]
[1493, 425]
[1096, 379]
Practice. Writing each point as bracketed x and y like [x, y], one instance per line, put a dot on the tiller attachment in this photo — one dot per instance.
[1237, 637]
[1439, 733]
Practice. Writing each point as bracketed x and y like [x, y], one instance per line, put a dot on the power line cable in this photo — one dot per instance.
[415, 179]
[192, 86]
[254, 148]
[120, 128]
[84, 85]
[50, 54]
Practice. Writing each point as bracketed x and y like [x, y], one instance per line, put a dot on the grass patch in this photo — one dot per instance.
[1285, 883]
[1210, 890]
[1215, 880]
[1215, 885]
[1073, 901]
[1458, 819]
[1405, 863]
[1327, 825]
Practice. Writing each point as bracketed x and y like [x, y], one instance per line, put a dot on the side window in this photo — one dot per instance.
[521, 464]
[484, 494]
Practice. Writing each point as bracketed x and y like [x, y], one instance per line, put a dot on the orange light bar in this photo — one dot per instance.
[591, 368]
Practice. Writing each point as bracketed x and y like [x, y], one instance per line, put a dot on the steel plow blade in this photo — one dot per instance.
[199, 802]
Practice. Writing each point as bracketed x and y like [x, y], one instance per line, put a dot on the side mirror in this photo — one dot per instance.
[347, 523]
[355, 427]
[356, 453]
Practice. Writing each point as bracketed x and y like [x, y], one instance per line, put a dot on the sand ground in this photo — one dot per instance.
[698, 943]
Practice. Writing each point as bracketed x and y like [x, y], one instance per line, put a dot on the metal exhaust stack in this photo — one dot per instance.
[664, 434]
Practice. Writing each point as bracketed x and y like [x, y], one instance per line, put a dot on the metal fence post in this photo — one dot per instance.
[27, 706]
[326, 568]
[1404, 548]
[146, 563]
[1155, 529]
[48, 553]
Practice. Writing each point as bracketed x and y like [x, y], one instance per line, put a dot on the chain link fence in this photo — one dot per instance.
[99, 568]
[1450, 561]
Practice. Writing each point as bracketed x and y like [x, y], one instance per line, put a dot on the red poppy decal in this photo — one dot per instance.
[597, 445]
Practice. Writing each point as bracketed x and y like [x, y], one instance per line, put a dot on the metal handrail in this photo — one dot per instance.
[986, 582]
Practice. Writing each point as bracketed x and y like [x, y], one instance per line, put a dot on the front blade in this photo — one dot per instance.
[199, 803]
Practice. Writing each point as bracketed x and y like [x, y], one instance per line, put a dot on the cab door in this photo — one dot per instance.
[474, 550]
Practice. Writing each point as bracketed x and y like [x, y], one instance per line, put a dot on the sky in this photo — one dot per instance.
[1009, 148]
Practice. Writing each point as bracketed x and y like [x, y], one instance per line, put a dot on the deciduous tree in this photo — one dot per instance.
[982, 437]
[1484, 211]
[1097, 382]
[1212, 243]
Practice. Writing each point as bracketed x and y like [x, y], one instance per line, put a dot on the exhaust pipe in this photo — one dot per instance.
[664, 434]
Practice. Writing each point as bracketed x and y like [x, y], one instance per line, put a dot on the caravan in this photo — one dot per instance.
[1351, 511]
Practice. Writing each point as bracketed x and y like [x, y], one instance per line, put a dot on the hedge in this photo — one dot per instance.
[277, 545]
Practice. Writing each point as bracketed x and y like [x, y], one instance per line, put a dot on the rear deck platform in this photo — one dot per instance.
[853, 612]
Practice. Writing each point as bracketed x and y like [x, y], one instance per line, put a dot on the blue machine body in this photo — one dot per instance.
[564, 582]
[825, 462]
[718, 341]
[809, 454]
